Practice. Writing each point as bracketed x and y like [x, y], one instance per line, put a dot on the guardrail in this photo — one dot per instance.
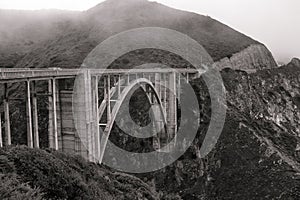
[17, 73]
[11, 74]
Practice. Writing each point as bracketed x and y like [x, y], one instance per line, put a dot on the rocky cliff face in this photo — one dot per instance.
[295, 62]
[259, 146]
[273, 96]
[270, 98]
[255, 57]
[261, 142]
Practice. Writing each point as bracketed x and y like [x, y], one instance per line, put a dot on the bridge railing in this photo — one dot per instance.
[152, 70]
[11, 74]
[25, 73]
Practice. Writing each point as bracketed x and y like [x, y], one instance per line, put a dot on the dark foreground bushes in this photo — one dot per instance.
[12, 188]
[43, 174]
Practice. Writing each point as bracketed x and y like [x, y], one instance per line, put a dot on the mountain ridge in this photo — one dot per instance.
[73, 39]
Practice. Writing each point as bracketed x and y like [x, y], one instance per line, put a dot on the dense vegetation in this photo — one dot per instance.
[67, 37]
[44, 174]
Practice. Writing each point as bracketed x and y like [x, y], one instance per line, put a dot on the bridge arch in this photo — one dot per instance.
[168, 40]
[133, 85]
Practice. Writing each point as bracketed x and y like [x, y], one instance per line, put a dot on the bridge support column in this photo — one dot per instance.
[108, 98]
[165, 96]
[172, 107]
[29, 116]
[53, 131]
[119, 86]
[80, 103]
[50, 116]
[179, 88]
[1, 140]
[88, 114]
[92, 119]
[157, 113]
[96, 131]
[36, 141]
[6, 116]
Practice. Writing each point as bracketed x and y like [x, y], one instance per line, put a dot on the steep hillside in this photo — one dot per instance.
[77, 38]
[258, 153]
[253, 58]
[39, 174]
[21, 31]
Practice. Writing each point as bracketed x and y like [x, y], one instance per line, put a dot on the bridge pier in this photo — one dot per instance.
[1, 140]
[172, 105]
[172, 108]
[6, 116]
[84, 115]
[158, 125]
[89, 114]
[50, 116]
[32, 115]
[54, 107]
[36, 141]
[96, 131]
[29, 116]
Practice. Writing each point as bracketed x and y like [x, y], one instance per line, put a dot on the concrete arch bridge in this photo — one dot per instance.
[81, 118]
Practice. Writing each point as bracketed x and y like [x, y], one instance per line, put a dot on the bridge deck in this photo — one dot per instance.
[22, 74]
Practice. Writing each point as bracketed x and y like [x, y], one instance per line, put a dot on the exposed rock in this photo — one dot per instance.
[271, 96]
[255, 57]
[259, 145]
[295, 62]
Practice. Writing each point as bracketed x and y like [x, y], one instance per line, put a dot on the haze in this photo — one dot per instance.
[272, 22]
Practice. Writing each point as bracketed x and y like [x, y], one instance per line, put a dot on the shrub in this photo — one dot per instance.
[12, 188]
[35, 174]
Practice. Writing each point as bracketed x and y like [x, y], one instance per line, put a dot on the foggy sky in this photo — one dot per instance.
[276, 23]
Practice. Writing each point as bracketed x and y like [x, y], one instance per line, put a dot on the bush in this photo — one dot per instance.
[12, 188]
[36, 174]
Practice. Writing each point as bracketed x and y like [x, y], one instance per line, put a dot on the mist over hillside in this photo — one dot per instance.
[55, 38]
[21, 31]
